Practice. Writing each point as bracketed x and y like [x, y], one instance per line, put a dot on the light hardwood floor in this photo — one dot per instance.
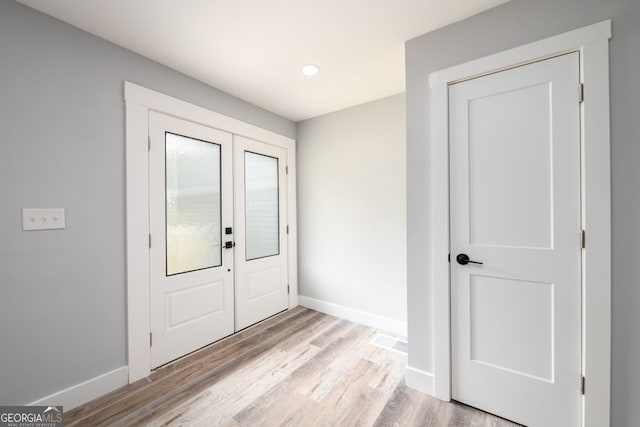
[300, 368]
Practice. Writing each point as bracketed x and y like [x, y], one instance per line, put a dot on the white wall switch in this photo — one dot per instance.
[43, 219]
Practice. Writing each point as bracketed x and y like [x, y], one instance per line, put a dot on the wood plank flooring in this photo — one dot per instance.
[300, 368]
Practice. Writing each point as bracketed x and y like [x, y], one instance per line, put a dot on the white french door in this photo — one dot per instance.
[261, 231]
[218, 244]
[515, 242]
[191, 203]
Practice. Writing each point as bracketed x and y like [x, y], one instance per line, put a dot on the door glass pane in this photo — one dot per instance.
[193, 204]
[261, 205]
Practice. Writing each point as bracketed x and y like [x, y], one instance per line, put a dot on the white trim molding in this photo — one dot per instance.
[420, 380]
[593, 44]
[363, 317]
[139, 101]
[85, 391]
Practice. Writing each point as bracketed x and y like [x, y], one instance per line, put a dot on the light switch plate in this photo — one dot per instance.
[43, 219]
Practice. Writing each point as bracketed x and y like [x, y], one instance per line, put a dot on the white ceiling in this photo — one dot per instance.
[254, 49]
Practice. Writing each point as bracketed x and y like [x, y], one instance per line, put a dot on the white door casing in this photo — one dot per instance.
[191, 278]
[261, 258]
[515, 206]
[592, 43]
[140, 102]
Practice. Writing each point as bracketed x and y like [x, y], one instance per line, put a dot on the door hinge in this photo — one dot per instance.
[287, 229]
[583, 239]
[150, 339]
[149, 143]
[582, 385]
[286, 170]
[449, 257]
[149, 241]
[581, 92]
[288, 289]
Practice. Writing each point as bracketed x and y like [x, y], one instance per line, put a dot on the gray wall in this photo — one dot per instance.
[351, 208]
[513, 24]
[62, 310]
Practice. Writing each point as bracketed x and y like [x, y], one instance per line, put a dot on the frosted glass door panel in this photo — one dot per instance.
[193, 204]
[260, 220]
[261, 206]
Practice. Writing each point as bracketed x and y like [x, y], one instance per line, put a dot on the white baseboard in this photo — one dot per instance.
[420, 380]
[86, 391]
[370, 319]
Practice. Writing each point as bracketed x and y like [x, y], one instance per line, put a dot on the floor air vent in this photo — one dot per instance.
[390, 343]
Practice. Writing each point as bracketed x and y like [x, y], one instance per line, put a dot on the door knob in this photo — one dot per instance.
[463, 259]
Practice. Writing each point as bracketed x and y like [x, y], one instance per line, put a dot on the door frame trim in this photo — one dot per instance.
[593, 44]
[138, 102]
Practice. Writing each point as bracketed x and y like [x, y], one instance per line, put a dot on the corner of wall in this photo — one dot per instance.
[366, 318]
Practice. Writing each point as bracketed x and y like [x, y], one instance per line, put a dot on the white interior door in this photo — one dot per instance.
[515, 207]
[191, 201]
[260, 233]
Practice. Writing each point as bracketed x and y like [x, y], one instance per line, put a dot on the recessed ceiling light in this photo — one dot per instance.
[310, 70]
